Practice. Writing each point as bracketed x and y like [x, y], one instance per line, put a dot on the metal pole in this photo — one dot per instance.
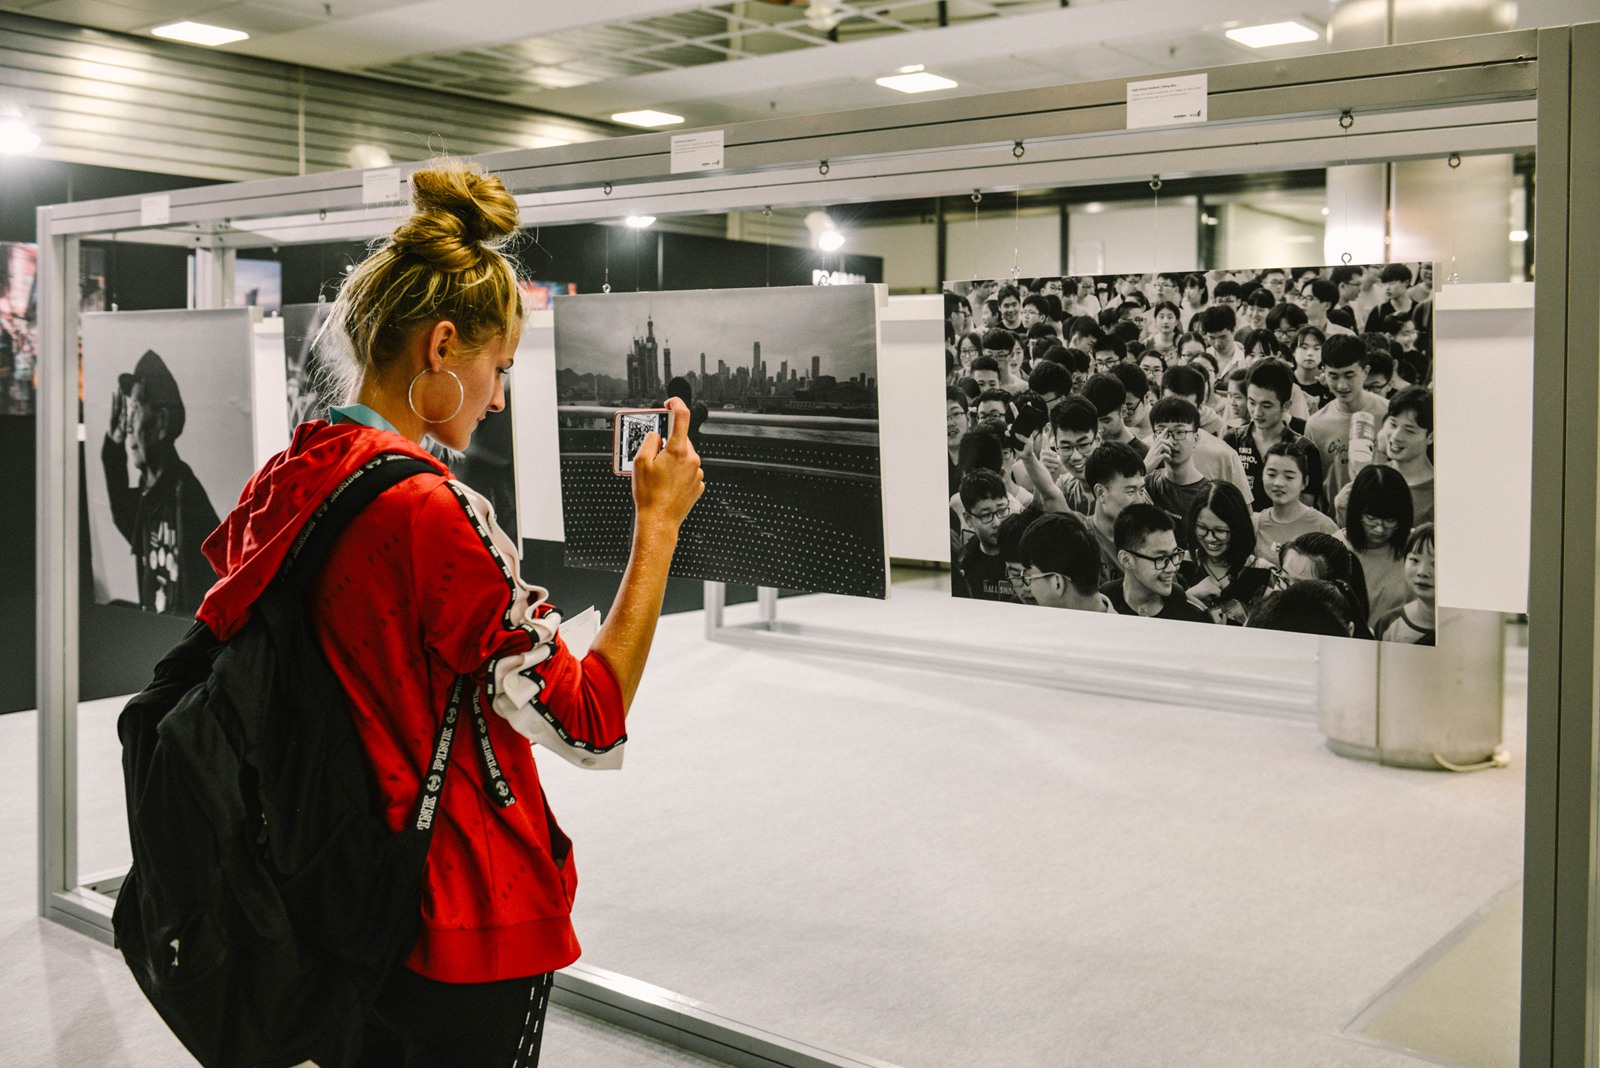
[716, 599]
[1558, 1025]
[57, 565]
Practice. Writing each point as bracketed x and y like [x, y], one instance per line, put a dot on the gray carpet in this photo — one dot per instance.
[948, 872]
[941, 872]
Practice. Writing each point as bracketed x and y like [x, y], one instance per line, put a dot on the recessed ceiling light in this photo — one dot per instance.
[199, 33]
[1273, 33]
[17, 137]
[916, 82]
[639, 222]
[646, 118]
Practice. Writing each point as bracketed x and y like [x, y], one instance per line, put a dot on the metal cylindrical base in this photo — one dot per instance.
[1413, 708]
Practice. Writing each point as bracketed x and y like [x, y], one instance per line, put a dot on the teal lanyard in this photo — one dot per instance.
[360, 413]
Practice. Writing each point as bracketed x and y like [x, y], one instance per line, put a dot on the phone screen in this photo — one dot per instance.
[634, 427]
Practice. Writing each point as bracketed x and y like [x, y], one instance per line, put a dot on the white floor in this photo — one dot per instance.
[938, 871]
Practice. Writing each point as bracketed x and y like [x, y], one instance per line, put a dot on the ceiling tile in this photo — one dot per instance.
[260, 20]
[1181, 51]
[95, 13]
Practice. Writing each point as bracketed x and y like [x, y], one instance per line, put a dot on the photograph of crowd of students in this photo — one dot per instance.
[1240, 448]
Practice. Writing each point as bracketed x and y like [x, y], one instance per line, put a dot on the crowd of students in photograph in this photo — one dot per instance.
[1248, 448]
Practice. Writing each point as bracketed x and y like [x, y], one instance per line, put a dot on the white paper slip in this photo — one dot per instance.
[579, 631]
[1167, 101]
[699, 151]
[382, 185]
[155, 211]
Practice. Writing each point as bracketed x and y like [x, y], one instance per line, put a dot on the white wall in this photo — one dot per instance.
[1128, 238]
[1000, 239]
[910, 253]
[1252, 238]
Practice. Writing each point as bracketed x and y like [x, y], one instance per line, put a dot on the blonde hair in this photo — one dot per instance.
[443, 262]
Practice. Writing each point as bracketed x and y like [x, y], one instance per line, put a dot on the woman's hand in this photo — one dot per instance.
[667, 478]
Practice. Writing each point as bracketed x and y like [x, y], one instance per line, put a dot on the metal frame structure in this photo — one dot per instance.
[1491, 94]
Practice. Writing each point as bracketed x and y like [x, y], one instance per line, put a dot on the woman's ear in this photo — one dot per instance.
[442, 341]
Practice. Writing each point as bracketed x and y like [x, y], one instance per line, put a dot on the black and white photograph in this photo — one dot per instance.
[165, 393]
[489, 465]
[1241, 448]
[310, 389]
[782, 388]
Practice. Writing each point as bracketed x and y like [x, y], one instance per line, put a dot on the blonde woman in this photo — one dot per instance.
[423, 588]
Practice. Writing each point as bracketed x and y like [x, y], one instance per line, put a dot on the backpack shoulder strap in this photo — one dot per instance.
[359, 489]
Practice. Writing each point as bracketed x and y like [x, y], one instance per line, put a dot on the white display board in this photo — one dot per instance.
[911, 421]
[533, 413]
[1483, 406]
[269, 404]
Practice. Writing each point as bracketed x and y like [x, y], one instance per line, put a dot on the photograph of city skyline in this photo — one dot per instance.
[782, 388]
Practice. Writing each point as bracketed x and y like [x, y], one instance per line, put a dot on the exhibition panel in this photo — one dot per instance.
[149, 379]
[788, 435]
[1252, 436]
[1470, 96]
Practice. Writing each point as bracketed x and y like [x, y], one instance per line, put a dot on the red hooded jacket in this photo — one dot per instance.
[420, 588]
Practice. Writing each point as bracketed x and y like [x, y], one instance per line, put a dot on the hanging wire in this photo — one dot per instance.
[1016, 240]
[1155, 222]
[977, 198]
[766, 214]
[606, 287]
[1454, 162]
[1347, 119]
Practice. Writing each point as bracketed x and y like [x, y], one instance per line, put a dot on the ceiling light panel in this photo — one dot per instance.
[1273, 34]
[919, 82]
[647, 118]
[199, 33]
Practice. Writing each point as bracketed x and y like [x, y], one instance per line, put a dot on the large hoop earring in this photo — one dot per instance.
[459, 404]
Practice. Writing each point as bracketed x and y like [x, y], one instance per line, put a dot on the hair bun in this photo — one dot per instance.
[459, 214]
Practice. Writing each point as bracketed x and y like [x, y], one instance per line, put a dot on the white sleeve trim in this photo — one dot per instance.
[515, 684]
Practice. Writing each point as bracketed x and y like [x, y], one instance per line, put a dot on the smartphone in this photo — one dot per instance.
[629, 428]
[1032, 416]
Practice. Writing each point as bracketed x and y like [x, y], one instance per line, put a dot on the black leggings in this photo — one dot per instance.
[420, 1022]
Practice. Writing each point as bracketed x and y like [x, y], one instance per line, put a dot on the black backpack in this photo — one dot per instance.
[267, 901]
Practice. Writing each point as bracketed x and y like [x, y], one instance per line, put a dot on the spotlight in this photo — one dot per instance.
[16, 136]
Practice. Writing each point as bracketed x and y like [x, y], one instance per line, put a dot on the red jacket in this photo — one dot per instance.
[422, 587]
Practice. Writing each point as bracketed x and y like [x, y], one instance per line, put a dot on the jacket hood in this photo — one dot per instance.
[250, 545]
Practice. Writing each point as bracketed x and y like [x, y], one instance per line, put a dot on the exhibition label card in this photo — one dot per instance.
[700, 151]
[1167, 101]
[382, 185]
